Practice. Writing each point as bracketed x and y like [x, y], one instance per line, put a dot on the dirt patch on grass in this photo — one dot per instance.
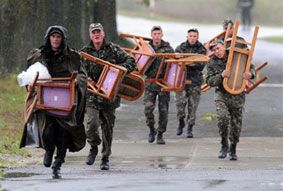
[17, 160]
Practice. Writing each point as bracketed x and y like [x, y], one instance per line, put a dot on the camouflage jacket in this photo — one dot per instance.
[238, 45]
[115, 55]
[151, 72]
[215, 67]
[194, 73]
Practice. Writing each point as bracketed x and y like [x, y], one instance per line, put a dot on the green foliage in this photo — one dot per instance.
[210, 116]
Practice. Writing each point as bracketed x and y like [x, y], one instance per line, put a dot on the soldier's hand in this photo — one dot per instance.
[225, 74]
[247, 75]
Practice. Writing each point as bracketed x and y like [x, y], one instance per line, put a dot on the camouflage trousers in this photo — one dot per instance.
[96, 118]
[150, 98]
[229, 121]
[189, 97]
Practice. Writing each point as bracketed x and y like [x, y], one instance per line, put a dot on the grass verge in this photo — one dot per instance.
[276, 39]
[12, 103]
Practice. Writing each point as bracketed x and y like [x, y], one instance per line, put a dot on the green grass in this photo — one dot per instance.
[276, 39]
[12, 103]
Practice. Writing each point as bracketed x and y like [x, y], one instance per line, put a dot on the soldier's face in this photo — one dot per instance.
[192, 37]
[97, 36]
[219, 50]
[55, 41]
[156, 37]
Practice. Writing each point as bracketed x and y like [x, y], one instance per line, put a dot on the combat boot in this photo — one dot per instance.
[91, 155]
[56, 173]
[48, 156]
[160, 139]
[151, 135]
[190, 131]
[104, 163]
[179, 130]
[232, 154]
[224, 148]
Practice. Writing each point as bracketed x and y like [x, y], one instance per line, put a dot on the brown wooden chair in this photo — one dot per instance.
[174, 77]
[251, 84]
[113, 81]
[109, 79]
[239, 62]
[142, 52]
[56, 96]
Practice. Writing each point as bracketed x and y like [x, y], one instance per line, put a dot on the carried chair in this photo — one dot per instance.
[174, 77]
[113, 81]
[56, 96]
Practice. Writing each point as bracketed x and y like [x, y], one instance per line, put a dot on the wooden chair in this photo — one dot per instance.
[109, 79]
[131, 88]
[174, 77]
[142, 52]
[239, 62]
[56, 96]
[251, 84]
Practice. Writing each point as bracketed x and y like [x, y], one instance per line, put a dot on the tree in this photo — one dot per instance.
[23, 25]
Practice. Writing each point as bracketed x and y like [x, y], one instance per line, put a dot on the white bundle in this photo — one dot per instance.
[27, 77]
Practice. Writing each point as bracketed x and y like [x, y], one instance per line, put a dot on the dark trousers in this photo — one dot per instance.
[55, 136]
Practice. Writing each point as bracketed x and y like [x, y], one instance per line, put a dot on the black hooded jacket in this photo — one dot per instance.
[63, 63]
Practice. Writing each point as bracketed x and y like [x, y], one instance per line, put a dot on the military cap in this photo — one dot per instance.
[215, 42]
[193, 30]
[95, 26]
[226, 23]
[156, 27]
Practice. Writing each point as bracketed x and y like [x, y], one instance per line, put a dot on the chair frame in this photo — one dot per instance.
[37, 102]
[97, 88]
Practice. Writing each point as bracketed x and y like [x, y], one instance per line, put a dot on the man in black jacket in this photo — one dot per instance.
[55, 131]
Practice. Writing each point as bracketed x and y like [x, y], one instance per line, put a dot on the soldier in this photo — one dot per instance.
[153, 91]
[55, 131]
[228, 43]
[192, 92]
[101, 111]
[229, 107]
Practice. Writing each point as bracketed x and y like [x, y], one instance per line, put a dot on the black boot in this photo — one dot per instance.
[179, 130]
[56, 173]
[190, 131]
[59, 160]
[151, 135]
[47, 160]
[232, 153]
[224, 148]
[160, 139]
[104, 163]
[91, 155]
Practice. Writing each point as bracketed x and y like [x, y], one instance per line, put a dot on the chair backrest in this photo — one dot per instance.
[142, 52]
[109, 79]
[56, 96]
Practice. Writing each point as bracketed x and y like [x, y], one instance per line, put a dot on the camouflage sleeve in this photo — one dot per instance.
[178, 49]
[253, 71]
[125, 60]
[213, 77]
[200, 65]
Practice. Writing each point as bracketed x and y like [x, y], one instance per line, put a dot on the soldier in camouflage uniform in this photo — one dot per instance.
[152, 90]
[228, 43]
[229, 107]
[192, 92]
[101, 111]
